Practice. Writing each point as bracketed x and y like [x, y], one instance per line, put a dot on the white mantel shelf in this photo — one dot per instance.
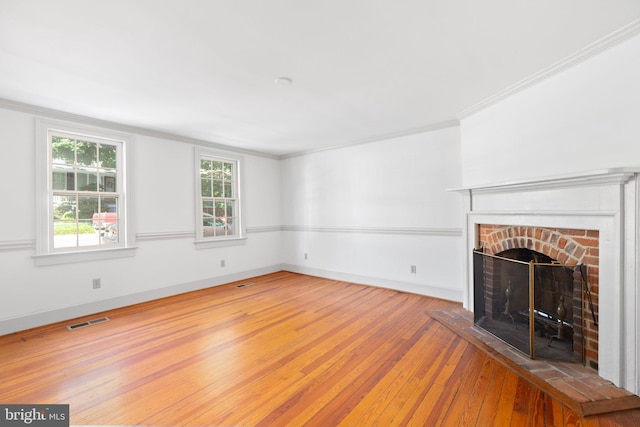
[590, 178]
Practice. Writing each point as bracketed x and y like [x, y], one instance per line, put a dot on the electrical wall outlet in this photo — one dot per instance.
[413, 269]
[222, 263]
[306, 256]
[97, 284]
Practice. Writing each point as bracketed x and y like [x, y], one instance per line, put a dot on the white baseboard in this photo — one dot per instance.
[421, 289]
[67, 313]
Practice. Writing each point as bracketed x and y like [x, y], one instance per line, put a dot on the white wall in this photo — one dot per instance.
[367, 213]
[163, 184]
[585, 118]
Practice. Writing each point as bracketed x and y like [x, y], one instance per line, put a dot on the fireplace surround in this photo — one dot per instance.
[604, 206]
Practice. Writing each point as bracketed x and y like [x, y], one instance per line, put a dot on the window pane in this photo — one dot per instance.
[71, 181]
[82, 180]
[231, 228]
[228, 192]
[64, 207]
[205, 186]
[212, 226]
[87, 235]
[220, 208]
[111, 234]
[217, 188]
[207, 206]
[63, 177]
[207, 219]
[107, 155]
[63, 150]
[228, 171]
[87, 206]
[65, 234]
[109, 204]
[65, 225]
[230, 209]
[87, 153]
[205, 168]
[87, 181]
[217, 170]
[108, 182]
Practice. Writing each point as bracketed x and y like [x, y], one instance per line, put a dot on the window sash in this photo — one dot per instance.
[218, 205]
[86, 212]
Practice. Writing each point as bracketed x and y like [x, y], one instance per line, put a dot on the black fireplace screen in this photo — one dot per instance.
[537, 307]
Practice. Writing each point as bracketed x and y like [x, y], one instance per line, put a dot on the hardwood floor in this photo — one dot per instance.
[287, 349]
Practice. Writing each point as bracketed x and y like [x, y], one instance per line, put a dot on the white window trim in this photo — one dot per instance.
[44, 255]
[213, 242]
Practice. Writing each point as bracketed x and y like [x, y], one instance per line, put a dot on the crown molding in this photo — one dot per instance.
[86, 120]
[617, 37]
[407, 132]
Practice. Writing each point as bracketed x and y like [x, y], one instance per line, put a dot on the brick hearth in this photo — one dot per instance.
[577, 387]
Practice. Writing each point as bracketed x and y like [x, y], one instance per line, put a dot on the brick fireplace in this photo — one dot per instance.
[591, 218]
[566, 246]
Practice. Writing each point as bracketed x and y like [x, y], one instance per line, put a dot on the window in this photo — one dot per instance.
[82, 183]
[218, 197]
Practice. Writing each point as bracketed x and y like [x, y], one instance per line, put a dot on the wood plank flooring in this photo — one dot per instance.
[288, 350]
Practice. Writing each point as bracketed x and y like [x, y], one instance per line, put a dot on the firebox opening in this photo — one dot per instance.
[530, 301]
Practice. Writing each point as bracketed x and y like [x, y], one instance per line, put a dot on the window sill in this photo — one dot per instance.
[217, 243]
[74, 257]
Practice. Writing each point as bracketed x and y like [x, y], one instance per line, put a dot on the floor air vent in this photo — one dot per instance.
[88, 323]
[245, 285]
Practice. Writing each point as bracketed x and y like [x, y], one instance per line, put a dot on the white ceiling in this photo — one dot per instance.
[361, 69]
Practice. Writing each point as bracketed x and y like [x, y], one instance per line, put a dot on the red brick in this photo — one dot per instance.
[613, 392]
[568, 390]
[570, 248]
[573, 232]
[587, 242]
[562, 242]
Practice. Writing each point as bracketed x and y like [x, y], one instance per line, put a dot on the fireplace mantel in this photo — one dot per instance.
[617, 176]
[605, 200]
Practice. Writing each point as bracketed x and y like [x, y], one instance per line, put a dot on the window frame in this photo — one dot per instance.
[215, 241]
[46, 254]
